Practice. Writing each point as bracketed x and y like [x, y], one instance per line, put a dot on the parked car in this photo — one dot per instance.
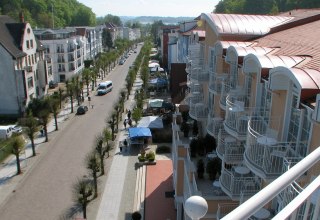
[121, 62]
[82, 109]
[16, 129]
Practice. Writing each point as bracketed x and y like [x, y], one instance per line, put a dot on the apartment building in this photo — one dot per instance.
[23, 69]
[253, 86]
[65, 49]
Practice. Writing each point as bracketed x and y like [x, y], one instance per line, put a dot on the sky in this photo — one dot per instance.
[164, 8]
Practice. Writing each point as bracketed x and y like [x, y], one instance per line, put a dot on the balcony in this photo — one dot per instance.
[29, 68]
[199, 75]
[237, 115]
[216, 81]
[61, 60]
[226, 88]
[238, 179]
[60, 50]
[61, 70]
[195, 87]
[214, 126]
[229, 149]
[225, 208]
[265, 154]
[71, 49]
[199, 111]
[71, 59]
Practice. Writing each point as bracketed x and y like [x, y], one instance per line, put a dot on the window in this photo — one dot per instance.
[30, 82]
[28, 46]
[31, 43]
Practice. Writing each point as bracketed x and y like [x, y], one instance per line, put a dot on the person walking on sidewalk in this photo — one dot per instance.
[125, 123]
[129, 114]
[125, 145]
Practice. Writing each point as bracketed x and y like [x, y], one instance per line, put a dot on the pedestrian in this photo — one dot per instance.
[125, 144]
[125, 123]
[129, 114]
[130, 122]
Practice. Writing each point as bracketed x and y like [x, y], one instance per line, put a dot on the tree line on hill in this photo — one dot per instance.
[263, 6]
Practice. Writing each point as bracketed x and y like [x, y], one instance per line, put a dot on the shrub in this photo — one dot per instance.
[213, 168]
[141, 158]
[163, 149]
[151, 156]
[200, 168]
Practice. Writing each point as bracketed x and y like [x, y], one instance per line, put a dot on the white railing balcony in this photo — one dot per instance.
[265, 154]
[214, 125]
[226, 87]
[199, 75]
[306, 205]
[237, 116]
[238, 179]
[230, 150]
[215, 82]
[195, 87]
[198, 111]
[189, 185]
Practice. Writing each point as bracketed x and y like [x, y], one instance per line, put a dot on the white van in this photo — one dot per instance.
[5, 132]
[104, 87]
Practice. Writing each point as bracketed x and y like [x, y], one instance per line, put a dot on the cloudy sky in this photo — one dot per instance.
[172, 8]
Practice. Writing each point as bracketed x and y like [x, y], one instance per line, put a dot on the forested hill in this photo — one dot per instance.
[263, 6]
[42, 13]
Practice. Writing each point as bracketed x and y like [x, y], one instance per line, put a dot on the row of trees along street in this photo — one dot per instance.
[40, 111]
[86, 189]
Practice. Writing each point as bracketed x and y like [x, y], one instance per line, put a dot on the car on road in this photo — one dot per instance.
[121, 62]
[82, 109]
[104, 88]
[16, 129]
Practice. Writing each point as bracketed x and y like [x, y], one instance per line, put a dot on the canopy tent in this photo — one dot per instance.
[151, 122]
[139, 132]
[160, 103]
[156, 69]
[158, 82]
[152, 65]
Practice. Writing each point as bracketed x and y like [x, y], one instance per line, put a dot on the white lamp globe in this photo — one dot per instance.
[196, 207]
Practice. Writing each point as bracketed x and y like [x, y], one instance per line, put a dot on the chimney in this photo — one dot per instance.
[21, 17]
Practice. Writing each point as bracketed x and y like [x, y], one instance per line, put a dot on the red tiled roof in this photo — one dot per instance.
[301, 40]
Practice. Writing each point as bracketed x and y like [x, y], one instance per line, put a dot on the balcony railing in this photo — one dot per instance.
[199, 75]
[215, 83]
[237, 116]
[233, 182]
[229, 149]
[195, 87]
[60, 50]
[303, 206]
[227, 86]
[265, 154]
[198, 111]
[225, 208]
[214, 126]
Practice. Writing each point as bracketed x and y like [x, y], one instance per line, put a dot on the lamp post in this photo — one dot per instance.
[196, 207]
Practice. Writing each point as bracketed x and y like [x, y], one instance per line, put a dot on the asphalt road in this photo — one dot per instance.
[45, 191]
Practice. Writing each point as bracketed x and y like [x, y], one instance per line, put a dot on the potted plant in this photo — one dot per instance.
[151, 156]
[200, 168]
[141, 158]
[213, 168]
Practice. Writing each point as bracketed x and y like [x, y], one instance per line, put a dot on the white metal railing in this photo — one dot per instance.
[215, 82]
[303, 200]
[214, 125]
[227, 86]
[199, 74]
[233, 184]
[198, 111]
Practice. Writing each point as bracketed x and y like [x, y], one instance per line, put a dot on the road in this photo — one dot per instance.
[45, 191]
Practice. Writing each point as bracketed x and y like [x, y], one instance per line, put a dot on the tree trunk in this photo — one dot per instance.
[45, 132]
[33, 147]
[94, 174]
[56, 121]
[18, 164]
[84, 210]
[102, 164]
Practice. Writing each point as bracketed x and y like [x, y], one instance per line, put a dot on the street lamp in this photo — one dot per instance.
[196, 207]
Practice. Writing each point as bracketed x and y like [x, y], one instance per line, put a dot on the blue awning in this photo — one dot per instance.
[139, 132]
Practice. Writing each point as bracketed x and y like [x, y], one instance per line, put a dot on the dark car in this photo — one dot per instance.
[82, 109]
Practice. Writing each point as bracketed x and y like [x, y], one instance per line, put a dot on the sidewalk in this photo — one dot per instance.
[113, 189]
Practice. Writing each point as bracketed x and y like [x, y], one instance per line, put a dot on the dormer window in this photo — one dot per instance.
[28, 30]
[28, 45]
[31, 43]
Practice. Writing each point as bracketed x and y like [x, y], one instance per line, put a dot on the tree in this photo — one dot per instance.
[112, 123]
[101, 151]
[54, 105]
[31, 126]
[107, 137]
[136, 216]
[136, 114]
[107, 39]
[93, 164]
[44, 116]
[70, 92]
[17, 144]
[86, 76]
[82, 191]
